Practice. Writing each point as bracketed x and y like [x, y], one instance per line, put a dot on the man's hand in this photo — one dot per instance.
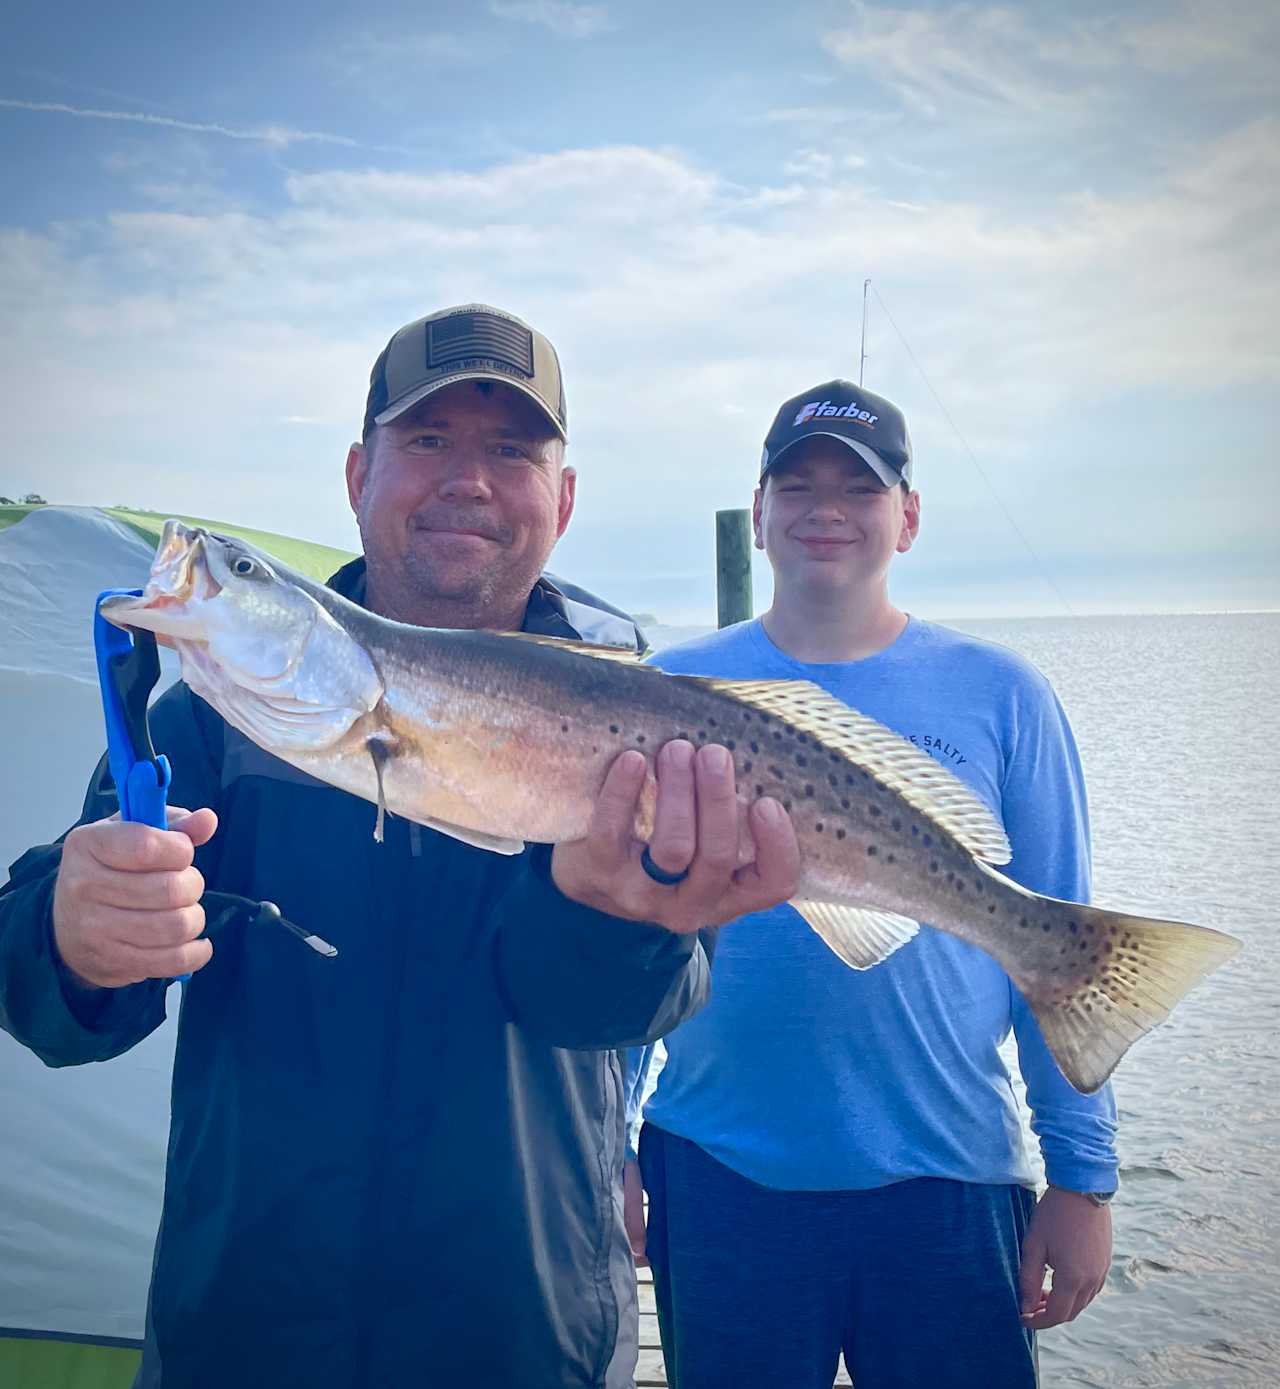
[1072, 1236]
[126, 906]
[695, 828]
[633, 1210]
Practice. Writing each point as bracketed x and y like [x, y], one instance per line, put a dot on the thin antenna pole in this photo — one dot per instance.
[973, 458]
[862, 358]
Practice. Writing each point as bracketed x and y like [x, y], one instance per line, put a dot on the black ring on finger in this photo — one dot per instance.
[660, 875]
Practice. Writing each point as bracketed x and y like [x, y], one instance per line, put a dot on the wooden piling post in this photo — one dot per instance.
[733, 566]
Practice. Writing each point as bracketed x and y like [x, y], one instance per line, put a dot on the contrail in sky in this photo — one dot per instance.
[269, 135]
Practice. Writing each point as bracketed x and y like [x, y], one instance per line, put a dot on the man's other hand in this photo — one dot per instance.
[696, 828]
[126, 906]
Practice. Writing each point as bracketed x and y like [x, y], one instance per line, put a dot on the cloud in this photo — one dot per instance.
[935, 59]
[359, 54]
[998, 57]
[811, 164]
[276, 135]
[570, 20]
[193, 347]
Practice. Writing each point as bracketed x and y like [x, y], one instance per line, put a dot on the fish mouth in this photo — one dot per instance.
[179, 582]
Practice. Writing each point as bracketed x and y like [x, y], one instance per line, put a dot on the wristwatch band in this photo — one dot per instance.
[1099, 1198]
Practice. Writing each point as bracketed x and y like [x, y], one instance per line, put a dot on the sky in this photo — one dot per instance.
[1069, 215]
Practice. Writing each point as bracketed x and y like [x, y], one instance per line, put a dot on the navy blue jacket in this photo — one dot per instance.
[401, 1166]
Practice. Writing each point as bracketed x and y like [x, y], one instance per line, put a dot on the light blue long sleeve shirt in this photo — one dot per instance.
[804, 1074]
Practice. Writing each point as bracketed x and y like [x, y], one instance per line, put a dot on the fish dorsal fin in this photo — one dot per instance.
[918, 778]
[861, 936]
[583, 648]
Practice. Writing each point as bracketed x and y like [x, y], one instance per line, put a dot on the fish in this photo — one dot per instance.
[499, 739]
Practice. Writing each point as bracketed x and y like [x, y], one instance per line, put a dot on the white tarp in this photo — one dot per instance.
[81, 1148]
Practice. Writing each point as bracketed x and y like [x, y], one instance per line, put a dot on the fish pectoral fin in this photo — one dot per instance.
[476, 838]
[382, 747]
[861, 936]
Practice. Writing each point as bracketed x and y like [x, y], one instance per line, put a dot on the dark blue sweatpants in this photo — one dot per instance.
[762, 1289]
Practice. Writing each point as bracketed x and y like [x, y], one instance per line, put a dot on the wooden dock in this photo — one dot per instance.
[651, 1373]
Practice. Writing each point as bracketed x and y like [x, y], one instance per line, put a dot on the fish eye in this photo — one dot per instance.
[243, 566]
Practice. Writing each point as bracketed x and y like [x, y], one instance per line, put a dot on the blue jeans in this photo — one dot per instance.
[917, 1283]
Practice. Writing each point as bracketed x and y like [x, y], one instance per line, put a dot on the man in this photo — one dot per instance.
[401, 1166]
[834, 1158]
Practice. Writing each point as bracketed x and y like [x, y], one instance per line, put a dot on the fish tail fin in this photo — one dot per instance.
[1127, 973]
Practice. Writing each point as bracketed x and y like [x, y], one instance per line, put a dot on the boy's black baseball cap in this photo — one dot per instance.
[873, 427]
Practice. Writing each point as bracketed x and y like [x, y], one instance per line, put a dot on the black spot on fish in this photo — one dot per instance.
[872, 851]
[927, 840]
[802, 761]
[730, 744]
[613, 728]
[845, 803]
[874, 810]
[808, 790]
[702, 735]
[1072, 927]
[959, 885]
[991, 910]
[564, 728]
[818, 827]
[786, 805]
[840, 834]
[897, 824]
[933, 866]
[889, 858]
[711, 723]
[759, 789]
[775, 771]
[915, 831]
[755, 747]
[747, 765]
[639, 737]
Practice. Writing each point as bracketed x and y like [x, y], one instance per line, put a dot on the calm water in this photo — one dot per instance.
[1176, 721]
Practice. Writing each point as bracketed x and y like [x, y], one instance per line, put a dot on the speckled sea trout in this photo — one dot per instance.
[496, 739]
